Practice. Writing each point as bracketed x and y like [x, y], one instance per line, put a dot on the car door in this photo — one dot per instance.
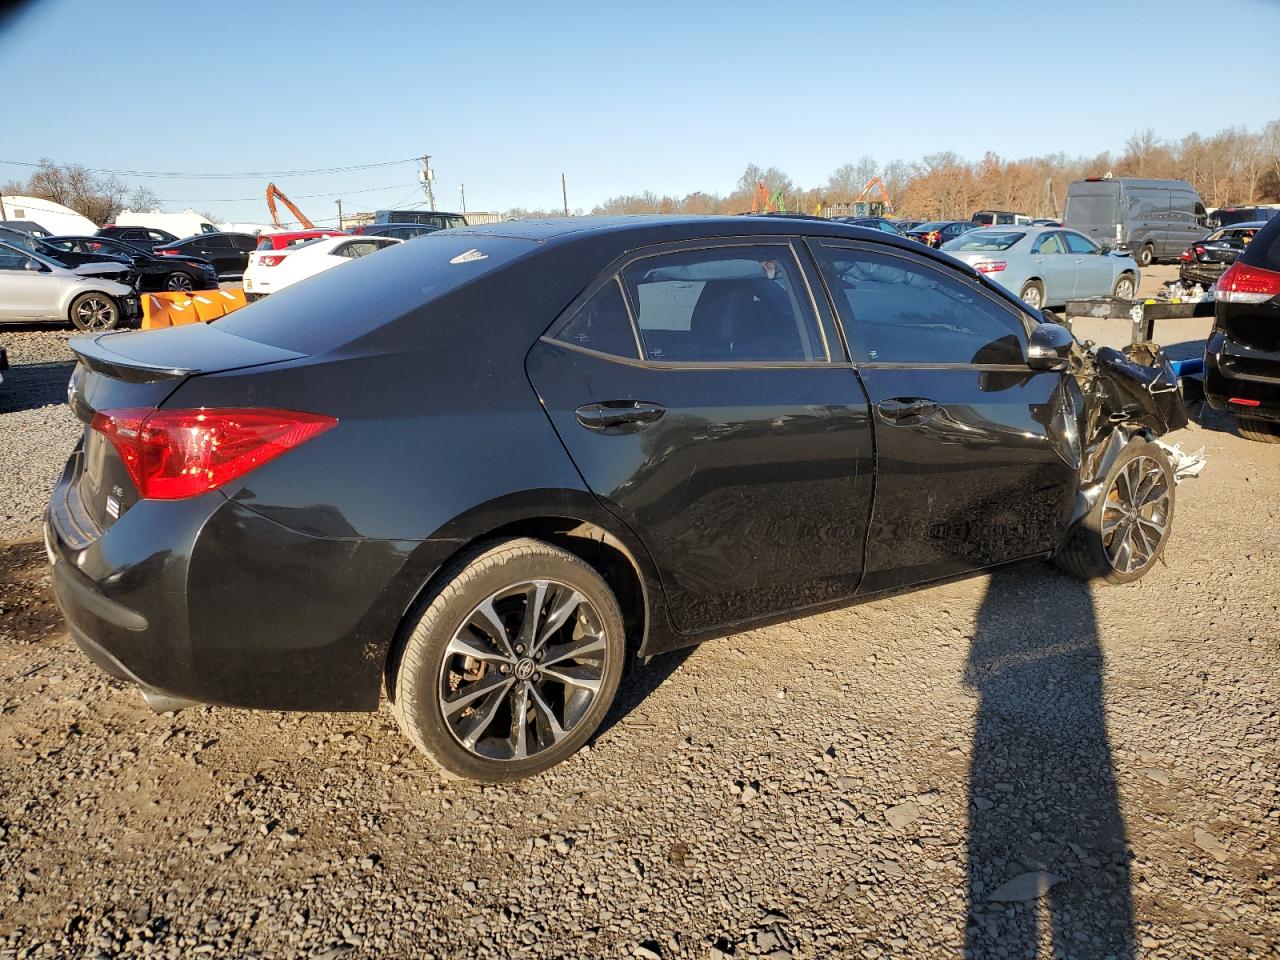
[976, 454]
[1094, 271]
[28, 288]
[1049, 260]
[242, 246]
[702, 393]
[215, 247]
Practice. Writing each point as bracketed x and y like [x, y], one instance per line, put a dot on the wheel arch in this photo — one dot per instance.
[569, 520]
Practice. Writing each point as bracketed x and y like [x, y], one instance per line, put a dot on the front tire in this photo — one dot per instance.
[1262, 431]
[94, 312]
[1120, 539]
[1125, 289]
[1145, 255]
[512, 664]
[1032, 294]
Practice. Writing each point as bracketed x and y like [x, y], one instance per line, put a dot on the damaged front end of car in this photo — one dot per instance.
[1126, 394]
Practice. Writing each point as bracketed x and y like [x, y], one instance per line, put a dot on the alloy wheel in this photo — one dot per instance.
[179, 283]
[95, 313]
[1124, 288]
[522, 670]
[1031, 296]
[1135, 516]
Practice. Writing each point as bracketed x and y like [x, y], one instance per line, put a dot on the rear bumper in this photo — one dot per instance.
[205, 600]
[1204, 274]
[1241, 380]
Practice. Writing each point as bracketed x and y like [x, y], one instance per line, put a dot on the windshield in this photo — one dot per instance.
[933, 227]
[339, 306]
[1092, 209]
[984, 240]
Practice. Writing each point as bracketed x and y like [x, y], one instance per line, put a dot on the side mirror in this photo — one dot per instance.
[32, 265]
[1105, 248]
[1049, 347]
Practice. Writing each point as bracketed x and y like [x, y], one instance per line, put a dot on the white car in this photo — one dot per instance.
[272, 270]
[37, 287]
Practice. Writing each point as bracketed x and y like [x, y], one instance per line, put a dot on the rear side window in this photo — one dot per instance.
[726, 305]
[603, 324]
[264, 243]
[899, 310]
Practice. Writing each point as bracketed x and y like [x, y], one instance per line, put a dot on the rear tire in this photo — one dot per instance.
[1145, 255]
[94, 312]
[498, 706]
[1032, 294]
[1125, 533]
[1262, 431]
[179, 282]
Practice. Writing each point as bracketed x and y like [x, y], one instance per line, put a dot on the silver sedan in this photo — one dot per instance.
[1046, 266]
[36, 287]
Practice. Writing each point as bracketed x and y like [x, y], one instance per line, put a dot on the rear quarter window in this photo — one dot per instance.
[1264, 249]
[340, 306]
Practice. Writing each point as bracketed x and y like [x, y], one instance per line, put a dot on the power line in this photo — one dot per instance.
[304, 196]
[170, 175]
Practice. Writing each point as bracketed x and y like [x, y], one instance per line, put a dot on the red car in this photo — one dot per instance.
[291, 238]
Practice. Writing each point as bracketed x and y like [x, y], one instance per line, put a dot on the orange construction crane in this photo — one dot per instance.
[761, 202]
[886, 203]
[272, 193]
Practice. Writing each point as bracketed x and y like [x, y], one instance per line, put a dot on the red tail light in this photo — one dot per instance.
[167, 252]
[172, 454]
[990, 266]
[1242, 401]
[1245, 284]
[1185, 255]
[271, 260]
[1199, 249]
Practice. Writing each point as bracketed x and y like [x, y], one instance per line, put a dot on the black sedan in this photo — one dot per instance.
[228, 252]
[154, 273]
[481, 469]
[875, 223]
[1242, 354]
[937, 232]
[148, 238]
[1206, 260]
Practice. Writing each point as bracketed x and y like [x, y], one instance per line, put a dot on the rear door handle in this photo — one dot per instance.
[906, 409]
[617, 416]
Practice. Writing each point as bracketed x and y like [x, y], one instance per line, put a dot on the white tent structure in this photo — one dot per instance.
[54, 217]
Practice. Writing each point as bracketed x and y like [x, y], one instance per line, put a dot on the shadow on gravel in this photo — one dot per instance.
[1048, 861]
[640, 681]
[29, 386]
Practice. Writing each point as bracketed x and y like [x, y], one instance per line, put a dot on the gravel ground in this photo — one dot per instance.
[1013, 766]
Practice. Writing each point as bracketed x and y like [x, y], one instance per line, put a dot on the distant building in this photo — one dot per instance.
[54, 217]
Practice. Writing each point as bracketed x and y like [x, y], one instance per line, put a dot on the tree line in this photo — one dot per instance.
[1231, 167]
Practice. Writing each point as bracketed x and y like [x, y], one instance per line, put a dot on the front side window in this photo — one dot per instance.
[1078, 243]
[11, 259]
[602, 324]
[725, 305]
[899, 310]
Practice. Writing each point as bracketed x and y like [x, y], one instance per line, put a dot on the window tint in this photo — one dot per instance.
[358, 248]
[155, 235]
[602, 324]
[11, 259]
[731, 304]
[899, 310]
[1050, 243]
[1078, 243]
[214, 242]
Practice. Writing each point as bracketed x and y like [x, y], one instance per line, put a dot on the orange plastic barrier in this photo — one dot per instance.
[175, 309]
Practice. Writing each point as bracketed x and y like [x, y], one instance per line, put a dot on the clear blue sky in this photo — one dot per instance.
[667, 96]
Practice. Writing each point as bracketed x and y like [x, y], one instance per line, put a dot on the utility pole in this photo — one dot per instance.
[339, 203]
[564, 194]
[427, 176]
[462, 196]
[3, 215]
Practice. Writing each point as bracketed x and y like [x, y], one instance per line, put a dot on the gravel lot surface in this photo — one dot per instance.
[1014, 766]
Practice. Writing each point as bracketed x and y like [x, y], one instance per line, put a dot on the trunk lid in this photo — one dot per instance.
[139, 370]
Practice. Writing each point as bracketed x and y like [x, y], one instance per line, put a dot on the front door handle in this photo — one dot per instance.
[906, 409]
[618, 416]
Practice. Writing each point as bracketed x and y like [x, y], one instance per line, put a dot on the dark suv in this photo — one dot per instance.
[483, 468]
[1242, 355]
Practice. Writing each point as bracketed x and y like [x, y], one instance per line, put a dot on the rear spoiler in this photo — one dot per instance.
[173, 353]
